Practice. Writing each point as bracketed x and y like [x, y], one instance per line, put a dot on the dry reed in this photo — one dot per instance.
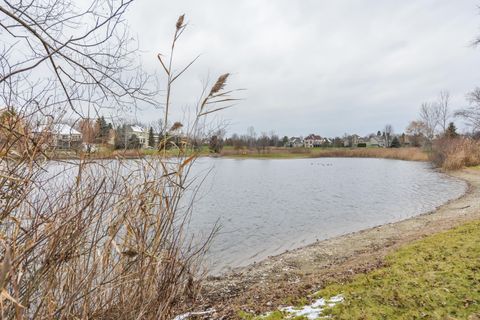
[412, 154]
[455, 153]
[95, 240]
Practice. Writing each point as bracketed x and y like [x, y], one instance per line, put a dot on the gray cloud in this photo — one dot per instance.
[318, 66]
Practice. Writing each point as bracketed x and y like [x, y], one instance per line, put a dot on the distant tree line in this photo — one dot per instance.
[435, 120]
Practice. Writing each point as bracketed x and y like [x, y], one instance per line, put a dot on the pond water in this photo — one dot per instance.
[266, 207]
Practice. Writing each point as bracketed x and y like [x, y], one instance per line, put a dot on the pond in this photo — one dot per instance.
[266, 207]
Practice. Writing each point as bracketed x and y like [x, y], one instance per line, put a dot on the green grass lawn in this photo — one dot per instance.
[434, 278]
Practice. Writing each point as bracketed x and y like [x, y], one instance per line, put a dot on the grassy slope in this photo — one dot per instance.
[434, 278]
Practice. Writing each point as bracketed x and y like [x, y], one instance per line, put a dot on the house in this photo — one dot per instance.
[376, 141]
[353, 141]
[407, 141]
[312, 141]
[327, 141]
[59, 136]
[294, 142]
[140, 132]
[129, 136]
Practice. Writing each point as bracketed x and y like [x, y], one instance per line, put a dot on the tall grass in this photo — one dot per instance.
[455, 153]
[98, 240]
[412, 154]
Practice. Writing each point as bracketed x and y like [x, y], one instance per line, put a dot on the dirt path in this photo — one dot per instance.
[282, 279]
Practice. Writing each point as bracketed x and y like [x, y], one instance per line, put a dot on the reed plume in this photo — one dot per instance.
[219, 85]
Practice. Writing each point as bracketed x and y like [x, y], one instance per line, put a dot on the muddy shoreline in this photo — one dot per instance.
[285, 278]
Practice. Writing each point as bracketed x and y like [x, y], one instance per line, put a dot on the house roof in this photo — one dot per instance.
[137, 128]
[313, 137]
[57, 128]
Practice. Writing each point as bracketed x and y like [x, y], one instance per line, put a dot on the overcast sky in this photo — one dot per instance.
[317, 66]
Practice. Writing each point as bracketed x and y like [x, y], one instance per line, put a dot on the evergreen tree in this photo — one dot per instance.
[133, 142]
[395, 143]
[403, 139]
[103, 129]
[151, 138]
[120, 137]
[451, 131]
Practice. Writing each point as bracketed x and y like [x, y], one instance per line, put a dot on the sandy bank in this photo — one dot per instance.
[286, 277]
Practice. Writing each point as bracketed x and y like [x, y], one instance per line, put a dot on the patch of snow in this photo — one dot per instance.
[187, 315]
[336, 299]
[314, 310]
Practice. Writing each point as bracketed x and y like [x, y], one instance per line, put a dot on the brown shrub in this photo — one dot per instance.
[454, 154]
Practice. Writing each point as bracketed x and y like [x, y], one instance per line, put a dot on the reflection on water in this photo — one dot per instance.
[268, 206]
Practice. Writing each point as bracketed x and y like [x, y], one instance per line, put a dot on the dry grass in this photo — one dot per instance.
[86, 239]
[454, 154]
[411, 154]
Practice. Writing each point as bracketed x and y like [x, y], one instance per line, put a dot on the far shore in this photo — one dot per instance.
[288, 278]
[407, 153]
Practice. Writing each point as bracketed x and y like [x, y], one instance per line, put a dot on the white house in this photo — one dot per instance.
[376, 141]
[59, 136]
[140, 132]
[295, 142]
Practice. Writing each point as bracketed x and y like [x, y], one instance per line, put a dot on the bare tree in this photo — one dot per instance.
[416, 131]
[262, 142]
[443, 110]
[436, 116]
[274, 139]
[158, 126]
[388, 135]
[471, 114]
[251, 137]
[89, 130]
[55, 54]
[238, 142]
[429, 117]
